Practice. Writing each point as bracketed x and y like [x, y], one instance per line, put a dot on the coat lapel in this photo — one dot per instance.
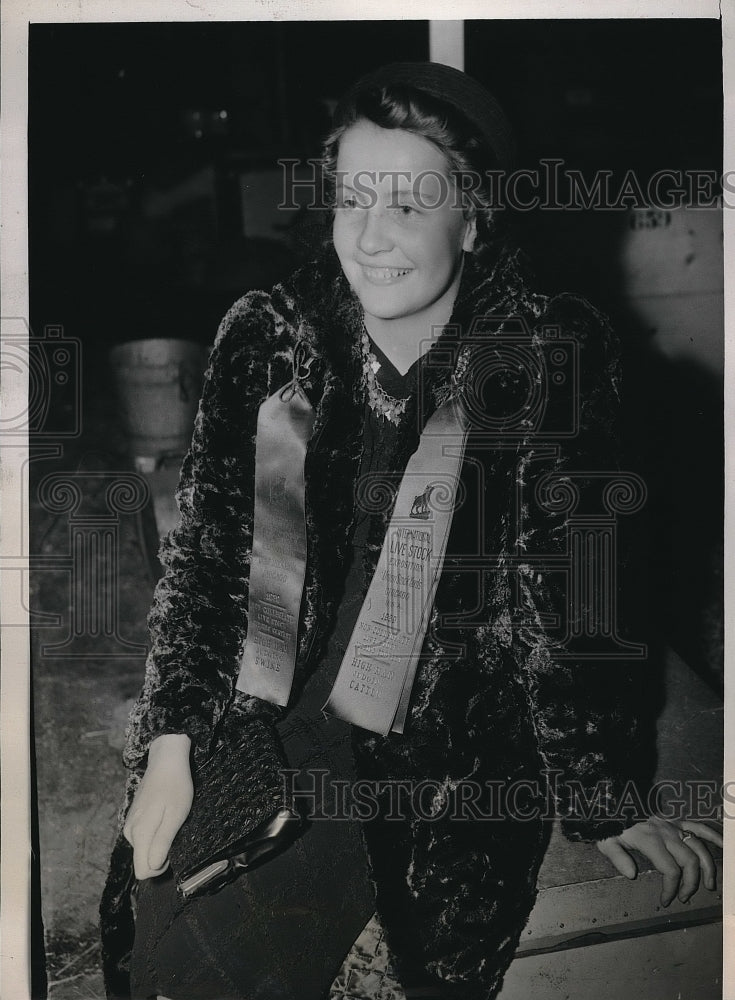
[330, 319]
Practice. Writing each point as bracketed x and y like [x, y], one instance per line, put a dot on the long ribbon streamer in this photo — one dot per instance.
[278, 560]
[373, 685]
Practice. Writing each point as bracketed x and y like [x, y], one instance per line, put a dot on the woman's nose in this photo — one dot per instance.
[373, 236]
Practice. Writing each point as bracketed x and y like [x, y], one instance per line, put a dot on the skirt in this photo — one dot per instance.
[282, 930]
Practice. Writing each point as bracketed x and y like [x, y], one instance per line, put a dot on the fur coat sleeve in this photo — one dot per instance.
[198, 619]
[515, 701]
[592, 712]
[587, 713]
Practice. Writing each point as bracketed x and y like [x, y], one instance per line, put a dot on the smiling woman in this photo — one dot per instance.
[400, 232]
[426, 631]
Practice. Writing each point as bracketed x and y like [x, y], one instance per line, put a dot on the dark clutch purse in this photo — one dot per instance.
[241, 812]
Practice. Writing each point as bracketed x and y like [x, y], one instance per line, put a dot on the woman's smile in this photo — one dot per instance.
[384, 275]
[268, 581]
[399, 231]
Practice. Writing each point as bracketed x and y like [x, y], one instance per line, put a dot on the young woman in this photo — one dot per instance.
[415, 322]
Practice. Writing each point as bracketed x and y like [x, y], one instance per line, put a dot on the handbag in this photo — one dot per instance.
[242, 811]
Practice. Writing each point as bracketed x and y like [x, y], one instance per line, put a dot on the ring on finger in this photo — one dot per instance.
[685, 835]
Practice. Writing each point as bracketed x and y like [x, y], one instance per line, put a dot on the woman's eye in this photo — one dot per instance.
[405, 211]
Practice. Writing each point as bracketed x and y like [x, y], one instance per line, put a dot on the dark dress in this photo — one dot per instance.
[281, 931]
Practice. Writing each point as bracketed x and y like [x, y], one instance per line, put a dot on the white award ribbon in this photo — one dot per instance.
[373, 685]
[278, 560]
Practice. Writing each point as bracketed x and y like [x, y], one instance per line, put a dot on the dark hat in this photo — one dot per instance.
[448, 86]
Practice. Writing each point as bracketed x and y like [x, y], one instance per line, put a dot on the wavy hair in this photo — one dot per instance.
[468, 157]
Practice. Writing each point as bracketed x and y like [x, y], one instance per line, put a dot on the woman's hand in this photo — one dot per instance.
[677, 850]
[161, 804]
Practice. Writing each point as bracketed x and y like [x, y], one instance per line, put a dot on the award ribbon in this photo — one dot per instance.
[278, 560]
[373, 685]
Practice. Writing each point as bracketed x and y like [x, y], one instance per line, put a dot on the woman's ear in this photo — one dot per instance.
[470, 234]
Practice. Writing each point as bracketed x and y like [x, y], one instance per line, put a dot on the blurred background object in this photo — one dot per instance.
[156, 199]
[158, 383]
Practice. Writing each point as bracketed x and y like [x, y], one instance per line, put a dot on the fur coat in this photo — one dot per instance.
[493, 704]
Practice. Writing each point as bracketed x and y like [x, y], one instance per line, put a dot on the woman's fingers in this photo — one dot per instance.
[703, 834]
[161, 805]
[706, 863]
[151, 833]
[648, 838]
[703, 831]
[162, 840]
[141, 832]
[688, 861]
[614, 850]
[681, 862]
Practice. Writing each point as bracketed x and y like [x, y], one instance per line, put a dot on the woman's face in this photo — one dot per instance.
[399, 230]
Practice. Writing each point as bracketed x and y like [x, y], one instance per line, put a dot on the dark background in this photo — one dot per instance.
[123, 117]
[122, 114]
[112, 121]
